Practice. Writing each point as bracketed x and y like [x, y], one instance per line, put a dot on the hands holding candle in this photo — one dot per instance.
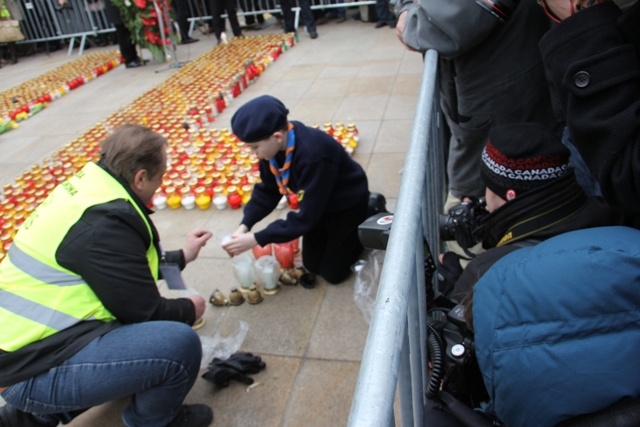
[239, 241]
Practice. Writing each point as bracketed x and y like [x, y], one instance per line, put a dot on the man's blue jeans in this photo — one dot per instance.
[156, 362]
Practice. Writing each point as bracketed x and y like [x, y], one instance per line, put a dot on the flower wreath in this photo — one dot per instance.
[142, 19]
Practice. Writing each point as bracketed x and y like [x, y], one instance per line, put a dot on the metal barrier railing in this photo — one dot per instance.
[46, 21]
[200, 8]
[395, 352]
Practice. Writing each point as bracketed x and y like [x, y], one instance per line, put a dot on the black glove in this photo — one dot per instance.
[247, 362]
[237, 367]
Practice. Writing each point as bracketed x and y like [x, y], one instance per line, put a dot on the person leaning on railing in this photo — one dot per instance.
[490, 74]
[532, 196]
[592, 62]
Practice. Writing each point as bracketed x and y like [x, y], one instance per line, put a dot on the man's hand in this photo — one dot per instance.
[400, 26]
[240, 242]
[194, 242]
[199, 304]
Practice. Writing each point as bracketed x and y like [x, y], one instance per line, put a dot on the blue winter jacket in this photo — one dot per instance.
[557, 326]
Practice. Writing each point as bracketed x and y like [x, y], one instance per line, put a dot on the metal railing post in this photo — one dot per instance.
[372, 403]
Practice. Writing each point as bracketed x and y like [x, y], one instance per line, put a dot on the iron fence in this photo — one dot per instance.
[77, 20]
[394, 357]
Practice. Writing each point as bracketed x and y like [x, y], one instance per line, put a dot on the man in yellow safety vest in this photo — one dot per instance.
[81, 319]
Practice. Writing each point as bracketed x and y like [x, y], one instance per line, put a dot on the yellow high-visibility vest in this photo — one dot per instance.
[38, 297]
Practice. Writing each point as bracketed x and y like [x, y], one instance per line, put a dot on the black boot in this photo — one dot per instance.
[193, 416]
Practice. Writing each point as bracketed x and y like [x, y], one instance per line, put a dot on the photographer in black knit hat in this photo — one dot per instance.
[532, 194]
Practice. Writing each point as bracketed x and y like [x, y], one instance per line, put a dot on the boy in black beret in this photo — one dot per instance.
[331, 189]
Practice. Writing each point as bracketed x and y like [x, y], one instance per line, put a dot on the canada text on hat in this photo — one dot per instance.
[520, 157]
[259, 118]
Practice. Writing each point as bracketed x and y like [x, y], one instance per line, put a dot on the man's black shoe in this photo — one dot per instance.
[188, 40]
[193, 416]
[313, 35]
[380, 24]
[12, 417]
[135, 63]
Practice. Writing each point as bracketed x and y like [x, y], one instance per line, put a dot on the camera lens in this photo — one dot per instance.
[446, 227]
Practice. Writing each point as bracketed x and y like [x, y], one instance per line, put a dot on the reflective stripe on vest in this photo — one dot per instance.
[40, 270]
[39, 297]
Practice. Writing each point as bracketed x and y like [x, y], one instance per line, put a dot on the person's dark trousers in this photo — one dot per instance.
[333, 245]
[250, 6]
[127, 47]
[305, 13]
[156, 362]
[384, 13]
[182, 15]
[123, 36]
[288, 16]
[217, 9]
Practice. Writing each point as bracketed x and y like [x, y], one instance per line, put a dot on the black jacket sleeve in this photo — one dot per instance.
[593, 68]
[107, 247]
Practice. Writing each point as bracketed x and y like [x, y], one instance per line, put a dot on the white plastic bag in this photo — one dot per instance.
[222, 347]
[366, 284]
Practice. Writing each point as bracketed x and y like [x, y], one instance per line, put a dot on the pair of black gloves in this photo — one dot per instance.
[237, 367]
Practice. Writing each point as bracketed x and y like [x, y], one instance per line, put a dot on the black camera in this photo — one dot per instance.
[461, 221]
[454, 368]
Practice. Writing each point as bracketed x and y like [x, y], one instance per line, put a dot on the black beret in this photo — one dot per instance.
[259, 118]
[521, 157]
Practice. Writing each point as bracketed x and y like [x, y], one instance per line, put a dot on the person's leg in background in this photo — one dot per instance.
[250, 20]
[230, 6]
[385, 15]
[182, 14]
[216, 7]
[127, 47]
[123, 37]
[307, 17]
[288, 16]
[156, 362]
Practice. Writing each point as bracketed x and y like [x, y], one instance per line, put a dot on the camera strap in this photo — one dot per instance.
[553, 215]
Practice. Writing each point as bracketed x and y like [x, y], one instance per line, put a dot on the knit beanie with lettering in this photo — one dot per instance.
[521, 157]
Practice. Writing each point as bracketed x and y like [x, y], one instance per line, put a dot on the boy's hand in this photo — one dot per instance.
[239, 243]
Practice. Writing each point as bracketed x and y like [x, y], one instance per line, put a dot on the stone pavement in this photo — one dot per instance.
[311, 340]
